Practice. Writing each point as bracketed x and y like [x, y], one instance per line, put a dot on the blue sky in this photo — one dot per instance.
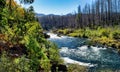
[59, 7]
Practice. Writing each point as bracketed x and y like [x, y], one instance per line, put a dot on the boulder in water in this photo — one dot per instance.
[46, 36]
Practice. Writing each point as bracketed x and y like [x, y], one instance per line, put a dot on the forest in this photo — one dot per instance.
[99, 21]
[101, 13]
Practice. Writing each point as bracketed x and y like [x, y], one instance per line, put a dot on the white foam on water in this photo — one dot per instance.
[98, 48]
[64, 49]
[83, 52]
[83, 48]
[71, 61]
[55, 36]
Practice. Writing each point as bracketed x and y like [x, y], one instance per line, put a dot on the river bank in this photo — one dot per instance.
[108, 37]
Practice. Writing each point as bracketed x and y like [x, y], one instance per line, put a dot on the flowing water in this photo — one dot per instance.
[74, 50]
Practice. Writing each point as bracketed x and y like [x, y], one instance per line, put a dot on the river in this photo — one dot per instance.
[74, 50]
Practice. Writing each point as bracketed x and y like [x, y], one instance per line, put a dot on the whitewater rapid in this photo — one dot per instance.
[74, 50]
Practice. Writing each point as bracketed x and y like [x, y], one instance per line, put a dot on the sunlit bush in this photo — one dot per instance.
[8, 64]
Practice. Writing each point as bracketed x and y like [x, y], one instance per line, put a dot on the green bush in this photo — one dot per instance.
[8, 64]
[65, 31]
[116, 35]
[20, 27]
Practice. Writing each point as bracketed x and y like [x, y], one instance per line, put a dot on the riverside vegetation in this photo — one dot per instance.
[109, 36]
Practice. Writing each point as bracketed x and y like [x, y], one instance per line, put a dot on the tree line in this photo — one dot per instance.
[57, 21]
[100, 13]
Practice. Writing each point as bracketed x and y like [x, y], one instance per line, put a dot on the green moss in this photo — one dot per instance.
[77, 68]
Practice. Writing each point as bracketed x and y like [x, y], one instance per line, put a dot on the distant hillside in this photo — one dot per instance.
[39, 15]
